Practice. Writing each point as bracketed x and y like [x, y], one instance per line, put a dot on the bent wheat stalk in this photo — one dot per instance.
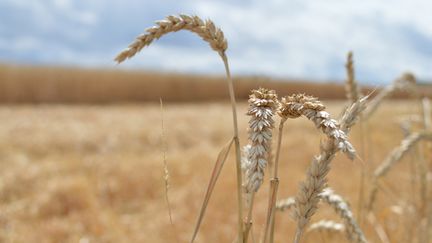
[392, 158]
[295, 106]
[215, 37]
[308, 196]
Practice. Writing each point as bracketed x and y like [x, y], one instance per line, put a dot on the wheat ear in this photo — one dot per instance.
[392, 158]
[308, 196]
[405, 81]
[397, 153]
[262, 106]
[310, 107]
[354, 233]
[352, 89]
[205, 29]
[295, 106]
[215, 37]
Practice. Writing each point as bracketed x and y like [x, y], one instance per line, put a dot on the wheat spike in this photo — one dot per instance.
[354, 233]
[397, 153]
[262, 105]
[352, 114]
[310, 107]
[392, 158]
[351, 87]
[205, 29]
[308, 196]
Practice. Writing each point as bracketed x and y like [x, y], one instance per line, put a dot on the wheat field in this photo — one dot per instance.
[92, 173]
[128, 172]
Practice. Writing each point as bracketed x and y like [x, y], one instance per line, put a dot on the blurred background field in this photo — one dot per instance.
[44, 84]
[92, 173]
[81, 148]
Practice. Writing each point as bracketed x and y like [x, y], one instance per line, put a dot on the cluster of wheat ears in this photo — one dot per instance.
[251, 161]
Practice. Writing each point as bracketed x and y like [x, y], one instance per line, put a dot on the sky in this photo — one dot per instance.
[306, 39]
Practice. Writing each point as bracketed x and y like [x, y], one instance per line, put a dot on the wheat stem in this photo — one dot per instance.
[237, 148]
[276, 177]
[215, 37]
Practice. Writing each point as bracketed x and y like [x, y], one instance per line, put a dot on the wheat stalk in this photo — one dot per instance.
[262, 106]
[352, 90]
[354, 233]
[405, 81]
[392, 158]
[216, 39]
[397, 153]
[308, 196]
[350, 117]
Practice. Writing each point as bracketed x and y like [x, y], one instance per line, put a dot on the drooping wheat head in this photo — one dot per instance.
[299, 104]
[262, 106]
[205, 29]
[307, 198]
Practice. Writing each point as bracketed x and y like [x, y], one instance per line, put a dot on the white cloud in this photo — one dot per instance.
[314, 35]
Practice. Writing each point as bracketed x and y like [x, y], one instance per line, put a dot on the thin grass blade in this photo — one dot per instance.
[223, 154]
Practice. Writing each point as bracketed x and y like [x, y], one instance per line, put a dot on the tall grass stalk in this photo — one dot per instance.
[215, 37]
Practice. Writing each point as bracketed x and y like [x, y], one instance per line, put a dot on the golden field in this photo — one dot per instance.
[47, 84]
[94, 173]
